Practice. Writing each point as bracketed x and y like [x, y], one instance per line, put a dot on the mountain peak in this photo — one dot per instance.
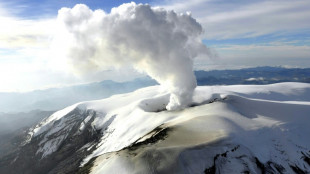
[237, 129]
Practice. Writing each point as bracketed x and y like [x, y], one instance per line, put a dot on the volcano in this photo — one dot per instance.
[226, 129]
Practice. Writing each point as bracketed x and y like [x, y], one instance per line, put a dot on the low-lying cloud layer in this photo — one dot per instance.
[160, 43]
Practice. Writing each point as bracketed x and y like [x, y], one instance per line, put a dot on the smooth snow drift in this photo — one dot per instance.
[158, 42]
[234, 128]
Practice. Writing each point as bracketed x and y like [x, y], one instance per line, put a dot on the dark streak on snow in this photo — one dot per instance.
[212, 169]
[208, 102]
[297, 170]
[159, 133]
[269, 167]
[306, 158]
[260, 165]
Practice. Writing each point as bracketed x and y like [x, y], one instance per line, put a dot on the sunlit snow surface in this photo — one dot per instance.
[270, 122]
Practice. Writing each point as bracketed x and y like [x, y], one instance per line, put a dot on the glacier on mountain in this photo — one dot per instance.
[238, 128]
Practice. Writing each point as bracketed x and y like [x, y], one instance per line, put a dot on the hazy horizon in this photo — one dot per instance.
[238, 34]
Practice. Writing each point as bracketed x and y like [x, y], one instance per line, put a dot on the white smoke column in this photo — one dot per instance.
[161, 43]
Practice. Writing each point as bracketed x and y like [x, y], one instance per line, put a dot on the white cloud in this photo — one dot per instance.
[18, 33]
[249, 19]
[24, 43]
[276, 52]
[27, 62]
[227, 19]
[161, 43]
[23, 47]
[242, 56]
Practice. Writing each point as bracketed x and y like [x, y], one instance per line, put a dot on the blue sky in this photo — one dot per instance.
[47, 8]
[242, 33]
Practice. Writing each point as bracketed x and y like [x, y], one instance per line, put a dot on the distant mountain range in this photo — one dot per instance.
[258, 75]
[58, 98]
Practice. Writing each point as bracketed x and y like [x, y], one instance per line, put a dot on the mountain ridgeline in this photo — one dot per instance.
[227, 129]
[58, 98]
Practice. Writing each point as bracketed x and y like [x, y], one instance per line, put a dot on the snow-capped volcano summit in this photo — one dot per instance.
[227, 129]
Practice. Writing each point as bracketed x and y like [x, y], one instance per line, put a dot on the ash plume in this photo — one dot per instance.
[153, 40]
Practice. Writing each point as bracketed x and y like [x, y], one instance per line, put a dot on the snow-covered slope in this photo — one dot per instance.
[228, 129]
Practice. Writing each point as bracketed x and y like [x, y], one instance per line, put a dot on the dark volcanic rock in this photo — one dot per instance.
[66, 159]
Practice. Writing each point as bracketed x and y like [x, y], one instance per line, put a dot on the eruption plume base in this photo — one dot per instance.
[153, 40]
